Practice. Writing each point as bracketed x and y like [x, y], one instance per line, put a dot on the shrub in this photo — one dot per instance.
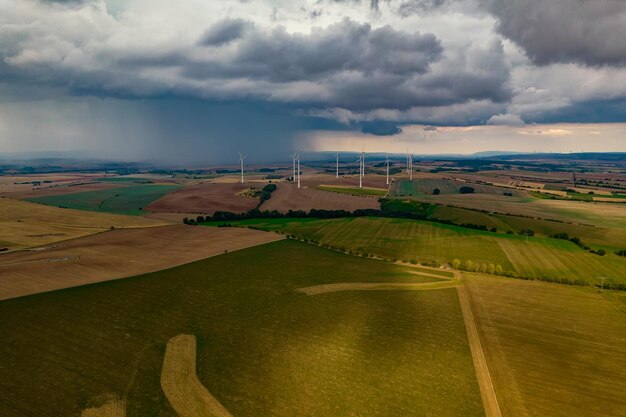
[436, 191]
[466, 190]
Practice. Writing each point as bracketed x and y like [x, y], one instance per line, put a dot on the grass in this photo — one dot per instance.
[552, 350]
[262, 348]
[26, 224]
[539, 257]
[124, 200]
[366, 191]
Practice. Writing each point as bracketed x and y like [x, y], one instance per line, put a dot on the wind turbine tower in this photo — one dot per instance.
[294, 157]
[337, 165]
[298, 158]
[387, 162]
[241, 158]
[362, 170]
[411, 167]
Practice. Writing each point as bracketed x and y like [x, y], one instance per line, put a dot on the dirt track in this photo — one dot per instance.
[117, 254]
[487, 392]
[184, 391]
[375, 286]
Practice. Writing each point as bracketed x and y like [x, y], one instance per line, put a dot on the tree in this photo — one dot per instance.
[436, 191]
[466, 190]
[499, 270]
[491, 269]
[456, 264]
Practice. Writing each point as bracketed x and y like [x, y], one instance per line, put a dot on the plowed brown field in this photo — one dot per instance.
[206, 198]
[288, 197]
[117, 254]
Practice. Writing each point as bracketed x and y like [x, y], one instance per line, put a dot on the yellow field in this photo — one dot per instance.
[184, 391]
[552, 350]
[26, 225]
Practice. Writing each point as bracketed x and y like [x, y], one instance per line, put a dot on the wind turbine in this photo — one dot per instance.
[387, 162]
[241, 158]
[337, 171]
[411, 167]
[298, 158]
[294, 157]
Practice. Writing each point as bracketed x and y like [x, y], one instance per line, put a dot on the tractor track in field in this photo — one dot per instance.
[487, 391]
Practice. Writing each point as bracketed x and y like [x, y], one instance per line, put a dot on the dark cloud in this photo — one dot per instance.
[589, 32]
[380, 128]
[279, 56]
[588, 111]
[224, 31]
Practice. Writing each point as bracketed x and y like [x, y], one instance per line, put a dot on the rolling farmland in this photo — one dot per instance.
[117, 254]
[403, 188]
[428, 241]
[130, 200]
[263, 349]
[25, 225]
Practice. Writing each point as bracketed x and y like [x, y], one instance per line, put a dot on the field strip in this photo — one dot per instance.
[487, 392]
[186, 394]
[374, 286]
[111, 408]
[426, 274]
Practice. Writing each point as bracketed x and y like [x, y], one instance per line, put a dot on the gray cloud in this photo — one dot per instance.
[505, 119]
[279, 56]
[588, 32]
[225, 31]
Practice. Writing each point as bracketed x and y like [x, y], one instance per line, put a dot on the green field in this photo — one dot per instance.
[368, 191]
[535, 257]
[263, 349]
[124, 200]
[404, 188]
[606, 215]
[598, 237]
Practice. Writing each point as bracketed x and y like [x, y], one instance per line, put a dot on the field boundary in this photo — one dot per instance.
[487, 391]
[180, 383]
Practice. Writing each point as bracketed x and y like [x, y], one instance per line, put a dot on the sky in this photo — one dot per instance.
[195, 81]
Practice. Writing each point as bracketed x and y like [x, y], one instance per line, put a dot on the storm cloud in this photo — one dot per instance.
[588, 32]
[361, 65]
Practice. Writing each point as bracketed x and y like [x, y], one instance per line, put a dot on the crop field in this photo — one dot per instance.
[26, 225]
[552, 350]
[427, 241]
[402, 188]
[207, 198]
[367, 191]
[288, 197]
[577, 212]
[131, 200]
[263, 349]
[608, 238]
[117, 254]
